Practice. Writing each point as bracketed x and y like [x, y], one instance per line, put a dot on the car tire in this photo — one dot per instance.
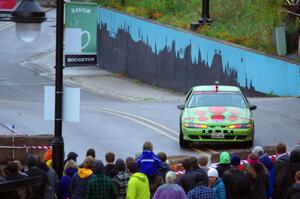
[183, 143]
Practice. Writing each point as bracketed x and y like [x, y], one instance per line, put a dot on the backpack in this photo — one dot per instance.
[239, 183]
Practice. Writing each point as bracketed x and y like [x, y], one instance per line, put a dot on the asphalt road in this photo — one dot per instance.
[110, 124]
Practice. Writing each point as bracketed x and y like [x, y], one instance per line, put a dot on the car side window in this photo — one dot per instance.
[188, 95]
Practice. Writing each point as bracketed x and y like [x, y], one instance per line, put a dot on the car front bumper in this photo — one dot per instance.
[219, 135]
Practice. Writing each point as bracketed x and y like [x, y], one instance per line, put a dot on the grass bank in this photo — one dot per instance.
[248, 23]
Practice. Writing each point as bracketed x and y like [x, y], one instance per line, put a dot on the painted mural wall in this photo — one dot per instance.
[175, 59]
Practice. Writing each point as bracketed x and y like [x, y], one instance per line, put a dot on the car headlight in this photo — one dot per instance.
[195, 125]
[240, 126]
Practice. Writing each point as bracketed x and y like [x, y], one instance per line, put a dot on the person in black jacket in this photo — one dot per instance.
[38, 192]
[281, 162]
[164, 167]
[187, 180]
[110, 167]
[197, 169]
[236, 182]
[285, 177]
[258, 178]
[294, 190]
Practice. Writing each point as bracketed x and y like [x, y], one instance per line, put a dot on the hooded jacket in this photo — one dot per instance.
[279, 167]
[224, 163]
[138, 187]
[219, 189]
[63, 187]
[148, 163]
[79, 183]
[265, 160]
[258, 184]
[289, 172]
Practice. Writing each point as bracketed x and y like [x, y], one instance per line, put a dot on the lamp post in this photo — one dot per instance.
[205, 18]
[29, 15]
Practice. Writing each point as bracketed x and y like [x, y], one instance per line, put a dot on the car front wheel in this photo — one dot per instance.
[183, 143]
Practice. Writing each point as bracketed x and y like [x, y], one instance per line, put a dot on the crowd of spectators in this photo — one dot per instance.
[149, 176]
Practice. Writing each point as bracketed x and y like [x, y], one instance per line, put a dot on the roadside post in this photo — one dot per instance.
[205, 17]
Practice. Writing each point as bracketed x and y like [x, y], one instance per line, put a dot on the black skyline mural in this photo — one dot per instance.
[165, 69]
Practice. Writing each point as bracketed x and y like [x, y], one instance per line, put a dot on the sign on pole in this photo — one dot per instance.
[6, 7]
[71, 104]
[80, 34]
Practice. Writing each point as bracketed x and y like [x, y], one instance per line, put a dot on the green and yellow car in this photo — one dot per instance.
[216, 114]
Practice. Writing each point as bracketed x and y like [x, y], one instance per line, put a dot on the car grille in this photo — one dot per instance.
[227, 137]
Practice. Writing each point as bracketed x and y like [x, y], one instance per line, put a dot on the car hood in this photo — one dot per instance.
[216, 115]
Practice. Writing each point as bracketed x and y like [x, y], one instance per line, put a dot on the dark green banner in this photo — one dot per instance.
[80, 33]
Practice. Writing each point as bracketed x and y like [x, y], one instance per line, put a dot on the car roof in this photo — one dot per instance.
[209, 88]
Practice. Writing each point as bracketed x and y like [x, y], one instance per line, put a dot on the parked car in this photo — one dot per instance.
[216, 114]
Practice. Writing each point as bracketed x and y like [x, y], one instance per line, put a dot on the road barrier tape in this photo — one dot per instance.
[15, 134]
[40, 147]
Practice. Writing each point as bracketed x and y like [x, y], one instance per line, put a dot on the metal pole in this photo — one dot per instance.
[58, 142]
[205, 9]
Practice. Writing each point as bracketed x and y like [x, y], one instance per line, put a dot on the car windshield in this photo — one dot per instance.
[207, 99]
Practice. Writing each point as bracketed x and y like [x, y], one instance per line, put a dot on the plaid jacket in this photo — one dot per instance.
[101, 187]
[121, 181]
[200, 192]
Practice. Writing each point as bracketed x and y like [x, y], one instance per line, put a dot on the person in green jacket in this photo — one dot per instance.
[138, 185]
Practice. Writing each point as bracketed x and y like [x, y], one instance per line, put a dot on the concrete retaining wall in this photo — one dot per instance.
[176, 59]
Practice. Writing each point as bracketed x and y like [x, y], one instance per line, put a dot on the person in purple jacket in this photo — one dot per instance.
[63, 187]
[170, 190]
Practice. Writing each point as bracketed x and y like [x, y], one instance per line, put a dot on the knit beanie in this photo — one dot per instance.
[258, 150]
[224, 158]
[212, 172]
[235, 160]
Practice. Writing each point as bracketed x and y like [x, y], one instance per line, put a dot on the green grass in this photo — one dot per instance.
[248, 23]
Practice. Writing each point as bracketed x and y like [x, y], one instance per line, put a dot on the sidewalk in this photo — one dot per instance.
[101, 82]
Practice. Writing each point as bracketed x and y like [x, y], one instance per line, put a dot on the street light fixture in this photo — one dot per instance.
[29, 14]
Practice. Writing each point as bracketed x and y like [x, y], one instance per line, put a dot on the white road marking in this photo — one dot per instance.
[136, 121]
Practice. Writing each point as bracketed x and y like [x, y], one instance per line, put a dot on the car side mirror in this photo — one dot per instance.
[180, 107]
[252, 107]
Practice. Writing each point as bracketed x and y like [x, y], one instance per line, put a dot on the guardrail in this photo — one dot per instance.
[12, 185]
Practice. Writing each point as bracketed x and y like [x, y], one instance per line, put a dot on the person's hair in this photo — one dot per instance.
[2, 173]
[70, 164]
[110, 157]
[194, 163]
[132, 167]
[162, 156]
[170, 177]
[88, 162]
[187, 164]
[20, 166]
[91, 152]
[280, 148]
[203, 160]
[250, 167]
[199, 179]
[148, 146]
[129, 159]
[297, 175]
[12, 167]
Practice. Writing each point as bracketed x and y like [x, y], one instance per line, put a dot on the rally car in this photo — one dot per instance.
[216, 114]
